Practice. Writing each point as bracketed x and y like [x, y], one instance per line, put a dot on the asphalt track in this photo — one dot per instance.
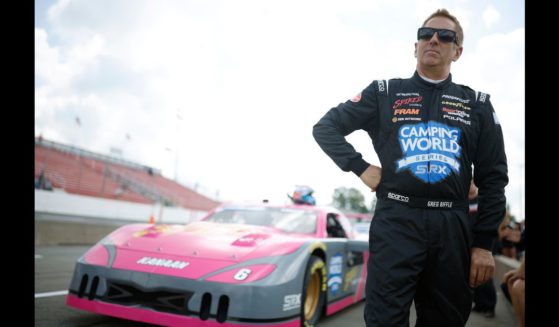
[54, 266]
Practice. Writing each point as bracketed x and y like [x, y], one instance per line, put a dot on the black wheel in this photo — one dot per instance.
[314, 291]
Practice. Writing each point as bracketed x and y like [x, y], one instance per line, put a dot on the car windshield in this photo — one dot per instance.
[289, 220]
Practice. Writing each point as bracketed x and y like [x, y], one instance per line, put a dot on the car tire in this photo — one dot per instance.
[314, 291]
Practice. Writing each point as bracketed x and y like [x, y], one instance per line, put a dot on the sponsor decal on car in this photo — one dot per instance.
[291, 301]
[335, 272]
[149, 261]
[153, 231]
[350, 279]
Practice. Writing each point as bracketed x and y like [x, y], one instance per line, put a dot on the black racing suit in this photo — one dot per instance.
[485, 295]
[427, 137]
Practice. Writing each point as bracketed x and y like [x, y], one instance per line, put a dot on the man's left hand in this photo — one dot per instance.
[482, 266]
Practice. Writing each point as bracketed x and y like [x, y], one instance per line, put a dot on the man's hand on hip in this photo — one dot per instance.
[482, 266]
[371, 177]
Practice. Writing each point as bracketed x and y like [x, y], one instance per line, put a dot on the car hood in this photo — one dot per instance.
[206, 246]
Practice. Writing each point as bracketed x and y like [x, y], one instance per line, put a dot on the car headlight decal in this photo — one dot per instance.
[97, 255]
[243, 275]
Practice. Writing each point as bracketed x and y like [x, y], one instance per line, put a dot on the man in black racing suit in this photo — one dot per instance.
[427, 132]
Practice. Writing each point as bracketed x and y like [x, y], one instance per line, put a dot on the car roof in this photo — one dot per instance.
[268, 205]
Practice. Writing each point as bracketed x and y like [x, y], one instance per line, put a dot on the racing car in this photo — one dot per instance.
[361, 223]
[241, 265]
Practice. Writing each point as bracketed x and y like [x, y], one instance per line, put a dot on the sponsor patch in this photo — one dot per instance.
[407, 119]
[430, 150]
[356, 98]
[381, 86]
[406, 111]
[457, 115]
[400, 102]
[482, 97]
[458, 119]
[398, 197]
[456, 112]
[411, 94]
[456, 105]
[451, 97]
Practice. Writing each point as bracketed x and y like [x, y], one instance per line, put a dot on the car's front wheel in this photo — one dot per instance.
[314, 291]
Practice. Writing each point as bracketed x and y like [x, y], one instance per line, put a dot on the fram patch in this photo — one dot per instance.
[430, 150]
[406, 111]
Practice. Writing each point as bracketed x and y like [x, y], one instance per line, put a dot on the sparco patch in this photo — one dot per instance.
[430, 150]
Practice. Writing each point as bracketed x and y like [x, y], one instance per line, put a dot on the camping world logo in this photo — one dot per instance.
[430, 151]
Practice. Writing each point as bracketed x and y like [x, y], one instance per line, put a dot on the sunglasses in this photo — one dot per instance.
[426, 33]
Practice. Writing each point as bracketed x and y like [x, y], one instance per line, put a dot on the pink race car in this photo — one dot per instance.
[241, 265]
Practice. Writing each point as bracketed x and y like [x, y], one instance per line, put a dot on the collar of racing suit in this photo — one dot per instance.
[419, 81]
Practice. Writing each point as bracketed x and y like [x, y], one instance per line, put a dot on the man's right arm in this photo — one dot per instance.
[338, 122]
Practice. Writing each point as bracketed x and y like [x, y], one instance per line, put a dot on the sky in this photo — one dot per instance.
[222, 95]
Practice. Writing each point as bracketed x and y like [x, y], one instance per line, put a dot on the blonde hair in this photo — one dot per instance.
[444, 13]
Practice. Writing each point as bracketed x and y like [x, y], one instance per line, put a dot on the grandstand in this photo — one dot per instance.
[82, 172]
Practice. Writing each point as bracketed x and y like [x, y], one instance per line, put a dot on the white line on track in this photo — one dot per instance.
[49, 294]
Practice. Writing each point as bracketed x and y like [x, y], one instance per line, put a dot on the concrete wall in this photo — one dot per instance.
[52, 232]
[62, 218]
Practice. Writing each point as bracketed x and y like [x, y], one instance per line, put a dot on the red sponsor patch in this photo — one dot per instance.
[401, 102]
[356, 98]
